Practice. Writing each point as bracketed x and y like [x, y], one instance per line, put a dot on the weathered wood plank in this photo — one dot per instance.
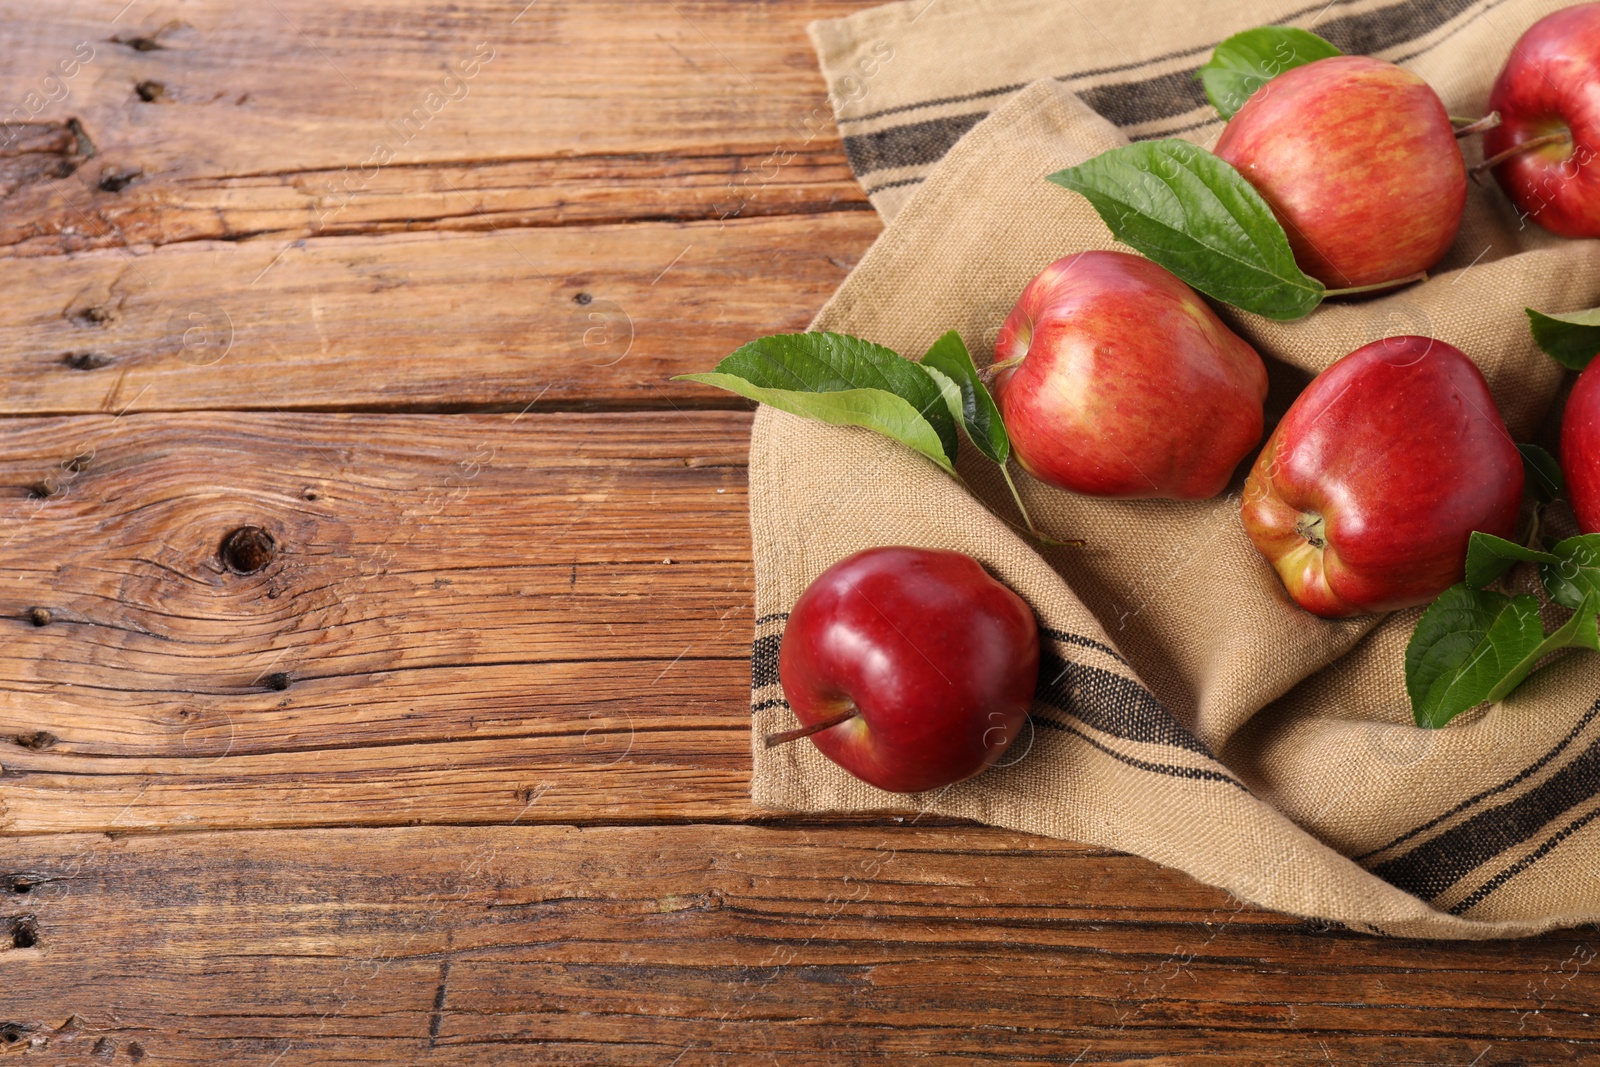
[224, 206]
[475, 197]
[720, 944]
[458, 612]
[567, 316]
[222, 120]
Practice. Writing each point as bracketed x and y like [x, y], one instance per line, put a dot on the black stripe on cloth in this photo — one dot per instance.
[1517, 779]
[1161, 97]
[1148, 99]
[1435, 866]
[894, 185]
[1375, 31]
[1074, 639]
[764, 661]
[912, 145]
[1409, 56]
[1204, 49]
[1170, 769]
[1477, 895]
[776, 616]
[1111, 704]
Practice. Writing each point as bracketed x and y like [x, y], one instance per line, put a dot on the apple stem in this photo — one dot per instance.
[1420, 276]
[774, 740]
[988, 374]
[1032, 529]
[1536, 142]
[1472, 126]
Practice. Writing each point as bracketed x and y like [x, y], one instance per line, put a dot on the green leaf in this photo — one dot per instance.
[1247, 61]
[1466, 646]
[1474, 646]
[1196, 216]
[1573, 572]
[875, 409]
[950, 390]
[1488, 557]
[1571, 339]
[1542, 474]
[977, 411]
[845, 381]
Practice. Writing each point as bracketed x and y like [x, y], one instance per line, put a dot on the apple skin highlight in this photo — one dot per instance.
[937, 658]
[1358, 160]
[1550, 86]
[1368, 491]
[1116, 379]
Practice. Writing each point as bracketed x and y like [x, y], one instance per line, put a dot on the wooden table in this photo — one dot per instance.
[377, 611]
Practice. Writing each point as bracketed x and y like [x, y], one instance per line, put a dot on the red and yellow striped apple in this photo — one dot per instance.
[1115, 379]
[1359, 161]
[1367, 492]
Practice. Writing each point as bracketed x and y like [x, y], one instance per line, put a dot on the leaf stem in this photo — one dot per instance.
[1420, 276]
[1032, 529]
[1018, 498]
[783, 738]
[1536, 142]
[1472, 126]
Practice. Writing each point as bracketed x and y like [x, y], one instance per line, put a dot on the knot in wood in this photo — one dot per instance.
[248, 549]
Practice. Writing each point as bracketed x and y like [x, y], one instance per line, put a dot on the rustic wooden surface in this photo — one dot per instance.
[455, 770]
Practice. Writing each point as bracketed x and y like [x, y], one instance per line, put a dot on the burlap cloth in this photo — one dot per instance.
[1187, 711]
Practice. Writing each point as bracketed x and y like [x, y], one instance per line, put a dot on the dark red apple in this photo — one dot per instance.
[1115, 379]
[1548, 97]
[1359, 161]
[911, 668]
[1367, 492]
[1580, 448]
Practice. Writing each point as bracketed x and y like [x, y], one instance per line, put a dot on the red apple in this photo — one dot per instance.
[1368, 490]
[1580, 448]
[1115, 379]
[1359, 161]
[911, 668]
[1548, 96]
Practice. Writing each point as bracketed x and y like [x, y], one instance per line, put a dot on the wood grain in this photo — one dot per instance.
[618, 214]
[555, 944]
[564, 316]
[437, 377]
[189, 108]
[457, 611]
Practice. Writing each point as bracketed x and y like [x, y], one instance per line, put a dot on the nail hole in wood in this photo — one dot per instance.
[582, 298]
[40, 616]
[25, 932]
[278, 680]
[114, 181]
[248, 549]
[11, 1033]
[19, 884]
[38, 741]
[135, 1051]
[41, 490]
[87, 360]
[151, 91]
